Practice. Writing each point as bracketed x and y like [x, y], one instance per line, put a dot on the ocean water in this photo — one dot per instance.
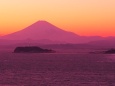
[57, 69]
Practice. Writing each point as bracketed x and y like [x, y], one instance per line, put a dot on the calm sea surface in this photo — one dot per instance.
[60, 69]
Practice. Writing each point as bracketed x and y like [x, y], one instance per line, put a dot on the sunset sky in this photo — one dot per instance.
[84, 17]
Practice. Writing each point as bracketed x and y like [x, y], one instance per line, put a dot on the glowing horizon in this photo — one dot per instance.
[83, 17]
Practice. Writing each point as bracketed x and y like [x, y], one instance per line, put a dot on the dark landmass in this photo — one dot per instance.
[66, 48]
[110, 51]
[32, 49]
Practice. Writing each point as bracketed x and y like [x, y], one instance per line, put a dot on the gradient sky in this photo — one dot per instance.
[84, 17]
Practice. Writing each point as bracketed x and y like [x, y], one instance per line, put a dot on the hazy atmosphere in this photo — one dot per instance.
[57, 42]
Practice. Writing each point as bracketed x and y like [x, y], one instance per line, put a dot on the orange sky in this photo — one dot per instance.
[84, 17]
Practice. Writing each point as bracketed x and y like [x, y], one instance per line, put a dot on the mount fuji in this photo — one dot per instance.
[45, 31]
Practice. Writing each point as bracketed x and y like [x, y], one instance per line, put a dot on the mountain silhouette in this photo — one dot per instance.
[43, 30]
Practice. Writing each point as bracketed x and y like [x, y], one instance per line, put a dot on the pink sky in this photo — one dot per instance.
[84, 17]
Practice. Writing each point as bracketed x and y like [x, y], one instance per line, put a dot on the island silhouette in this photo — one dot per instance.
[32, 49]
[110, 51]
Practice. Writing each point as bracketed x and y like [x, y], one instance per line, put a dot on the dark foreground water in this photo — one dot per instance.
[57, 70]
